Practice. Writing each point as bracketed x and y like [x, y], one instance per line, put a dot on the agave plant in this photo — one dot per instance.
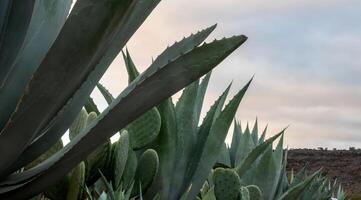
[186, 152]
[251, 169]
[50, 63]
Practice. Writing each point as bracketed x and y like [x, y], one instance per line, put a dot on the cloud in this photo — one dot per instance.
[304, 54]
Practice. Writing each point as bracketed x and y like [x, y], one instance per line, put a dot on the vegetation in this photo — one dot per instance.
[51, 62]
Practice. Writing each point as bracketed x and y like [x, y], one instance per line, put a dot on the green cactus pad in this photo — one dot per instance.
[145, 129]
[254, 192]
[147, 169]
[79, 124]
[226, 184]
[120, 156]
[130, 170]
[244, 194]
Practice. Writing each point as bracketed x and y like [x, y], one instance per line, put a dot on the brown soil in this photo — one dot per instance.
[345, 165]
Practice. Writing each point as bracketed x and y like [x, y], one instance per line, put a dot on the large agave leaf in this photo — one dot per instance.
[296, 191]
[186, 133]
[134, 17]
[76, 182]
[255, 132]
[144, 93]
[5, 7]
[106, 94]
[129, 64]
[46, 21]
[14, 24]
[224, 156]
[254, 154]
[245, 147]
[79, 47]
[201, 139]
[263, 136]
[215, 139]
[200, 96]
[166, 145]
[236, 138]
[265, 173]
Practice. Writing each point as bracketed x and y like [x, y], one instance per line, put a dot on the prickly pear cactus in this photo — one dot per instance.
[145, 129]
[120, 157]
[226, 184]
[79, 124]
[254, 192]
[130, 170]
[244, 194]
[76, 183]
[147, 169]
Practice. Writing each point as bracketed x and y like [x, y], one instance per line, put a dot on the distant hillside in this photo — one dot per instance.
[345, 165]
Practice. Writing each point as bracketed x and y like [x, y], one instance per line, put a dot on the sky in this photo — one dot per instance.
[305, 55]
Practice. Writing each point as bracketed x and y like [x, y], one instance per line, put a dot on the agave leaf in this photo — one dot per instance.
[109, 187]
[76, 184]
[166, 139]
[266, 172]
[200, 95]
[255, 132]
[263, 136]
[201, 138]
[245, 147]
[86, 41]
[203, 133]
[47, 19]
[236, 138]
[255, 153]
[5, 7]
[186, 133]
[224, 156]
[166, 145]
[296, 191]
[217, 135]
[144, 93]
[14, 27]
[210, 195]
[283, 183]
[182, 47]
[145, 129]
[135, 17]
[129, 64]
[106, 94]
[98, 159]
[299, 177]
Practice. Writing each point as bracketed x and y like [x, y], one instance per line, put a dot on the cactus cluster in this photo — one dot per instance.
[250, 168]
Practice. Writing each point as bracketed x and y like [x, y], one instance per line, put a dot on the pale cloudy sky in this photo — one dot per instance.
[305, 54]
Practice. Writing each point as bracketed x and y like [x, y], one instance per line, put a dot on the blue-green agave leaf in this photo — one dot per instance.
[215, 139]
